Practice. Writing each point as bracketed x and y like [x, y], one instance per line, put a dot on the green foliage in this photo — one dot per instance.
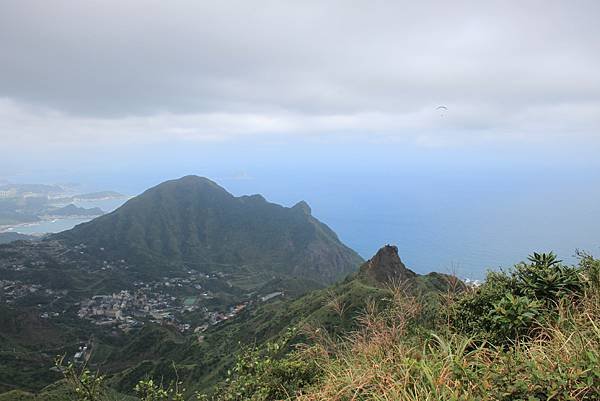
[546, 278]
[532, 334]
[591, 271]
[148, 390]
[17, 395]
[560, 361]
[86, 385]
[267, 373]
[508, 306]
[513, 316]
[472, 313]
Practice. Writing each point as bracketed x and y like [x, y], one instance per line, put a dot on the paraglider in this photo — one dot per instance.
[442, 110]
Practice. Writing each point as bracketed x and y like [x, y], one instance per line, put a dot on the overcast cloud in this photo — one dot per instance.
[137, 71]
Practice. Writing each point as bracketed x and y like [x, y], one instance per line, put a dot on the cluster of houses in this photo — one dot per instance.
[83, 353]
[7, 193]
[22, 255]
[170, 283]
[166, 301]
[13, 290]
[127, 309]
[218, 317]
[10, 290]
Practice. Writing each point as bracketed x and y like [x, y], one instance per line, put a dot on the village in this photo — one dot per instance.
[13, 290]
[130, 309]
[152, 303]
[185, 303]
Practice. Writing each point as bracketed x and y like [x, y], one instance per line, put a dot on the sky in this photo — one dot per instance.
[334, 102]
[97, 74]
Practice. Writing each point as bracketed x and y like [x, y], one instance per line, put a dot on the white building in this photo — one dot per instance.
[10, 193]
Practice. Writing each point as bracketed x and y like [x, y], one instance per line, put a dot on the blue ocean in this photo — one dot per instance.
[457, 224]
[443, 217]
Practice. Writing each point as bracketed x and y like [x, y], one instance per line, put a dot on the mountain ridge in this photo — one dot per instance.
[194, 222]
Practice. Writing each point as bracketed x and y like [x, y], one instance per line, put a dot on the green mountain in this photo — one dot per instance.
[187, 250]
[194, 223]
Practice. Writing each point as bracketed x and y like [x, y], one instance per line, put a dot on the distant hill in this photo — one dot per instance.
[99, 195]
[10, 217]
[72, 210]
[6, 238]
[28, 203]
[193, 222]
[22, 189]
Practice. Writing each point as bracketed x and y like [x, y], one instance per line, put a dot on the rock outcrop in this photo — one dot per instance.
[386, 267]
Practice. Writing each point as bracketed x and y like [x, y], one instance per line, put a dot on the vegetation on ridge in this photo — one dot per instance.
[530, 334]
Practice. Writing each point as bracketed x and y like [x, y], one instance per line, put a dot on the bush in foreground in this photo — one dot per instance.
[531, 334]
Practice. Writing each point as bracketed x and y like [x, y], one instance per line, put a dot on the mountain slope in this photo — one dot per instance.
[336, 310]
[193, 222]
[7, 237]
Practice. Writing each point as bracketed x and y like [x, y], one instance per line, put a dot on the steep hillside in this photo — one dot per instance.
[527, 334]
[193, 222]
[202, 359]
[335, 310]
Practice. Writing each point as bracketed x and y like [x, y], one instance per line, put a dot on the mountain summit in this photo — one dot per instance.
[193, 222]
[386, 267]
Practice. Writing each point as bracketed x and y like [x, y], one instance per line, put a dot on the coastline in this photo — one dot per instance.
[11, 228]
[114, 202]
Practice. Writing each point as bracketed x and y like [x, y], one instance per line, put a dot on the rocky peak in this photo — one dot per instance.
[302, 206]
[386, 266]
[253, 198]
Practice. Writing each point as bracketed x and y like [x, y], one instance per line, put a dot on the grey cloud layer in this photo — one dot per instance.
[278, 66]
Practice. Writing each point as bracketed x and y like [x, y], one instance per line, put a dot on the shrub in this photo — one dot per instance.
[85, 384]
[513, 316]
[148, 390]
[547, 279]
[510, 305]
[558, 361]
[266, 373]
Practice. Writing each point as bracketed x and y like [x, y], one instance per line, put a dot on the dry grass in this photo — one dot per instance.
[382, 361]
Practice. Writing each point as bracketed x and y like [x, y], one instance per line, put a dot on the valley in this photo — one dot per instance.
[116, 293]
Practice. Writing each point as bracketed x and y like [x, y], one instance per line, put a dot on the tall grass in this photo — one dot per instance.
[386, 360]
